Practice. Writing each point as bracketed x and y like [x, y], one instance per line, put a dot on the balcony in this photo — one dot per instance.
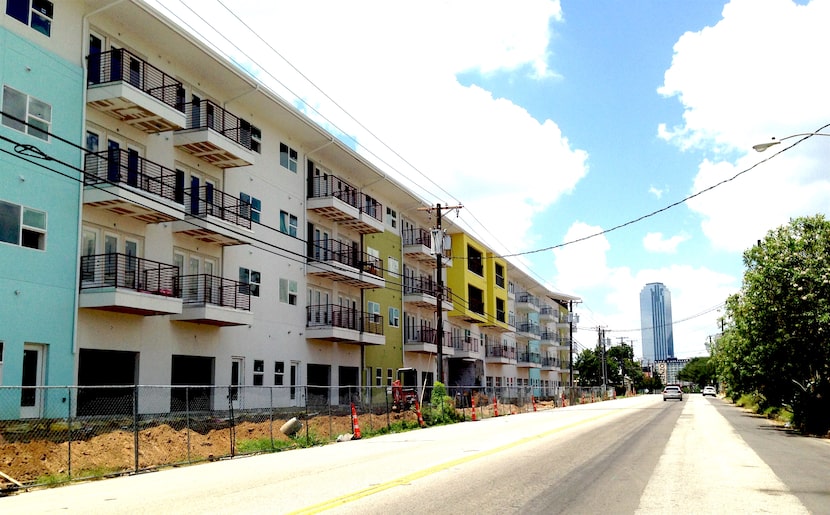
[529, 360]
[335, 323]
[129, 284]
[212, 300]
[548, 313]
[466, 347]
[527, 303]
[135, 92]
[423, 292]
[216, 217]
[417, 244]
[423, 340]
[548, 339]
[345, 263]
[528, 330]
[338, 201]
[125, 184]
[550, 363]
[215, 136]
[503, 354]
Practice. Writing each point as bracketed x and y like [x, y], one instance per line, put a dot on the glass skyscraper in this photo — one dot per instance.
[656, 322]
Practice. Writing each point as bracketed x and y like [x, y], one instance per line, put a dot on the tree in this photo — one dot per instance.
[700, 371]
[589, 365]
[619, 364]
[776, 342]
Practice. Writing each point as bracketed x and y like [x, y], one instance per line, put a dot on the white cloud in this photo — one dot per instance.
[655, 242]
[655, 191]
[749, 77]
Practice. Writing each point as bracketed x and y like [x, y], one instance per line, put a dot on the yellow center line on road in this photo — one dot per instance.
[366, 492]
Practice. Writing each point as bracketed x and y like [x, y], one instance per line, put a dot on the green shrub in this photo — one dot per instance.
[441, 409]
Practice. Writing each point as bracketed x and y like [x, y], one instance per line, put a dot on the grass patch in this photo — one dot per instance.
[265, 445]
[50, 480]
[396, 427]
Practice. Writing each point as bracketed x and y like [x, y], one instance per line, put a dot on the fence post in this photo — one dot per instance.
[135, 427]
[69, 431]
[232, 427]
[186, 417]
[271, 415]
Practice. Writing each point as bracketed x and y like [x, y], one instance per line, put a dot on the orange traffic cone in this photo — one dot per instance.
[474, 408]
[418, 411]
[564, 402]
[355, 424]
[533, 401]
[495, 407]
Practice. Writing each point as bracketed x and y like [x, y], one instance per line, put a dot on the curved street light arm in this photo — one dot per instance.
[760, 147]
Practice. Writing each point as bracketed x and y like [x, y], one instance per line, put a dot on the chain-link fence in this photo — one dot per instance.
[56, 434]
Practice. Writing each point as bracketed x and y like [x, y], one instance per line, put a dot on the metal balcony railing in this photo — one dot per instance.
[549, 311]
[530, 357]
[205, 114]
[465, 343]
[527, 298]
[130, 272]
[426, 285]
[326, 186]
[529, 327]
[333, 315]
[347, 254]
[500, 351]
[549, 336]
[426, 335]
[207, 200]
[201, 289]
[119, 166]
[122, 65]
[420, 236]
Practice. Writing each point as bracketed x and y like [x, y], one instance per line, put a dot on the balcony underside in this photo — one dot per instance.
[420, 347]
[211, 314]
[133, 302]
[126, 201]
[422, 300]
[466, 354]
[210, 229]
[134, 107]
[343, 335]
[526, 307]
[213, 148]
[498, 360]
[345, 214]
[338, 272]
[528, 364]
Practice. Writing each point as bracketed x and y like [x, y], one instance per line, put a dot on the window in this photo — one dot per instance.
[288, 291]
[22, 226]
[499, 275]
[279, 373]
[1, 353]
[394, 317]
[37, 14]
[391, 218]
[378, 376]
[26, 109]
[373, 308]
[251, 207]
[256, 139]
[259, 371]
[474, 261]
[500, 310]
[288, 157]
[393, 267]
[250, 280]
[388, 377]
[288, 224]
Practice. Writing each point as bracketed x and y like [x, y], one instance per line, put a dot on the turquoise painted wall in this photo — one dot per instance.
[38, 287]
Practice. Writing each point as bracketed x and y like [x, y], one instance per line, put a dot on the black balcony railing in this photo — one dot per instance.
[530, 357]
[549, 311]
[201, 289]
[205, 114]
[466, 343]
[426, 335]
[529, 328]
[427, 286]
[333, 315]
[119, 166]
[347, 254]
[208, 201]
[129, 272]
[527, 299]
[326, 186]
[122, 65]
[549, 336]
[500, 351]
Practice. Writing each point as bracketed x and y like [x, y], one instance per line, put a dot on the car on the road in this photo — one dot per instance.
[710, 390]
[672, 392]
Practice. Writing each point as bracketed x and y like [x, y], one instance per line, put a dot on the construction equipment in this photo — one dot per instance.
[404, 390]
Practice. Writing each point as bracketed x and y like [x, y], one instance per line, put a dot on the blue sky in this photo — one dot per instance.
[551, 121]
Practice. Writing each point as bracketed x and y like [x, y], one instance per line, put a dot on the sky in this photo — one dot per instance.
[601, 144]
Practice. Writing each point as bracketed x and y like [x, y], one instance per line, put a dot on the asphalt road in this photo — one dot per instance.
[635, 455]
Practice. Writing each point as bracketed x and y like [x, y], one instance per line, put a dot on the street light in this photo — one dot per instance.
[760, 147]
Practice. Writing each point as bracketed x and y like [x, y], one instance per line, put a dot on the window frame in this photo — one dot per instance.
[289, 291]
[394, 317]
[34, 125]
[248, 284]
[33, 12]
[289, 158]
[289, 224]
[254, 207]
[24, 229]
[279, 373]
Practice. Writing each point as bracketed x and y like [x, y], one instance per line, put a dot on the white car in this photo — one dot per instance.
[710, 390]
[672, 392]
